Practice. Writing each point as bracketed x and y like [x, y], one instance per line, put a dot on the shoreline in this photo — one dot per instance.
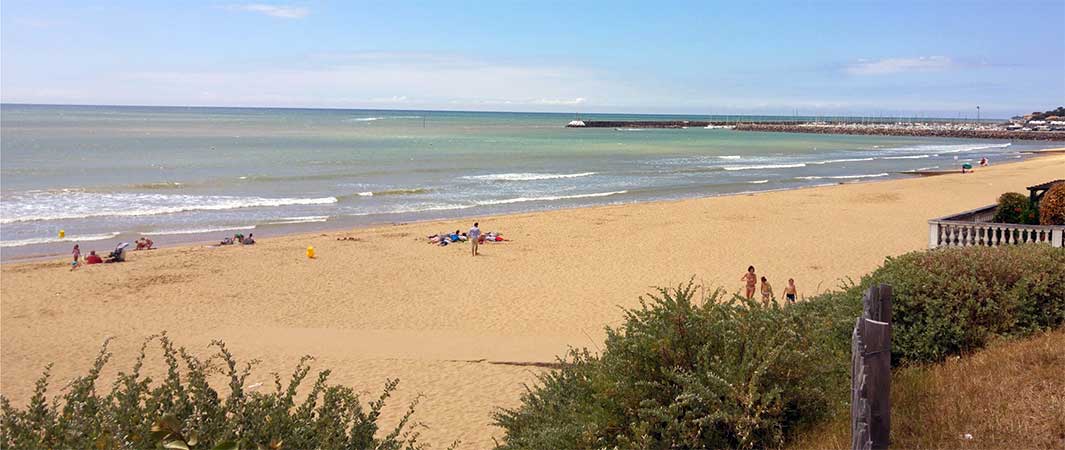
[465, 332]
[339, 228]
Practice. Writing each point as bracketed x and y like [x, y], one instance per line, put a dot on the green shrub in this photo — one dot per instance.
[184, 411]
[1052, 206]
[684, 372]
[949, 301]
[1014, 207]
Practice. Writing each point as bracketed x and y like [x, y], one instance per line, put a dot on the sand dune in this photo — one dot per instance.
[449, 325]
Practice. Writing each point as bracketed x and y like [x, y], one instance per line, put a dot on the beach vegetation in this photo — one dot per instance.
[695, 370]
[1007, 395]
[1052, 206]
[951, 301]
[185, 411]
[1014, 207]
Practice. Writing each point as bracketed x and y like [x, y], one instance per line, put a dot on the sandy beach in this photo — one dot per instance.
[464, 332]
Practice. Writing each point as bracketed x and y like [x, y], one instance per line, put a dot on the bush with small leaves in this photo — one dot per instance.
[686, 371]
[184, 411]
[1014, 207]
[954, 300]
[1052, 206]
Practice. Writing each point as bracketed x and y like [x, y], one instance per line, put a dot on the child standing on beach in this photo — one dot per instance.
[77, 257]
[789, 290]
[751, 280]
[767, 291]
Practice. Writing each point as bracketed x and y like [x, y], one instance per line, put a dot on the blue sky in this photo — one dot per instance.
[938, 58]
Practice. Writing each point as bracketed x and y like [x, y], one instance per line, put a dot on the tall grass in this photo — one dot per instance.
[184, 411]
[1010, 395]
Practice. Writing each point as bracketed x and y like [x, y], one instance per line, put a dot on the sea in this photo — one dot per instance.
[110, 174]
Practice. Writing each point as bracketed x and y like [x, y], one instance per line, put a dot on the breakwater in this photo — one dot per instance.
[928, 131]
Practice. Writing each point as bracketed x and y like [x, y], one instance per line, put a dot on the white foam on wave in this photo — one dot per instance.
[849, 177]
[764, 166]
[197, 230]
[51, 240]
[948, 148]
[758, 181]
[417, 208]
[526, 176]
[842, 177]
[76, 204]
[366, 194]
[907, 157]
[730, 157]
[834, 161]
[547, 198]
[373, 119]
[304, 219]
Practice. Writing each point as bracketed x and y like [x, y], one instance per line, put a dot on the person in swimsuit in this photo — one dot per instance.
[77, 257]
[789, 290]
[767, 291]
[751, 280]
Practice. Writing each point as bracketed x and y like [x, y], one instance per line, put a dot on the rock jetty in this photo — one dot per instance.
[934, 130]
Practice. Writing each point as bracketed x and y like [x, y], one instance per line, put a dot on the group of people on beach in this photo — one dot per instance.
[239, 238]
[751, 281]
[116, 255]
[474, 236]
[968, 168]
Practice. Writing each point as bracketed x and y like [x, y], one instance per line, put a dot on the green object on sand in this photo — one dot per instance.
[966, 166]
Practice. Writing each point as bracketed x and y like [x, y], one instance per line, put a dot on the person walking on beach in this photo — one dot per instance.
[789, 291]
[77, 257]
[473, 235]
[751, 280]
[767, 292]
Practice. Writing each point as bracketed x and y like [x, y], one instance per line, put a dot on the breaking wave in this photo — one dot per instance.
[525, 176]
[77, 204]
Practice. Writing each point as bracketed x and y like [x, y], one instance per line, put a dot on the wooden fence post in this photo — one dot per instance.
[871, 372]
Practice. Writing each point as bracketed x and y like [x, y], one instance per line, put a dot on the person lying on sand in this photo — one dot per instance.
[93, 258]
[751, 280]
[226, 241]
[249, 240]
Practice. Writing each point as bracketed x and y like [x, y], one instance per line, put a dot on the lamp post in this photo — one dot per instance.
[978, 114]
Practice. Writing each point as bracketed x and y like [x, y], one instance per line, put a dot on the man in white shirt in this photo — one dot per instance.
[474, 235]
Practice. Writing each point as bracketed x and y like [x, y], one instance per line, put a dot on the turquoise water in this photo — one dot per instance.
[109, 174]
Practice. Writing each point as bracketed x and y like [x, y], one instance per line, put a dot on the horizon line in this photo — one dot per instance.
[326, 108]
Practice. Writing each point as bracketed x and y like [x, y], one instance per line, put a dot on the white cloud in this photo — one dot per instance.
[279, 11]
[900, 65]
[559, 101]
